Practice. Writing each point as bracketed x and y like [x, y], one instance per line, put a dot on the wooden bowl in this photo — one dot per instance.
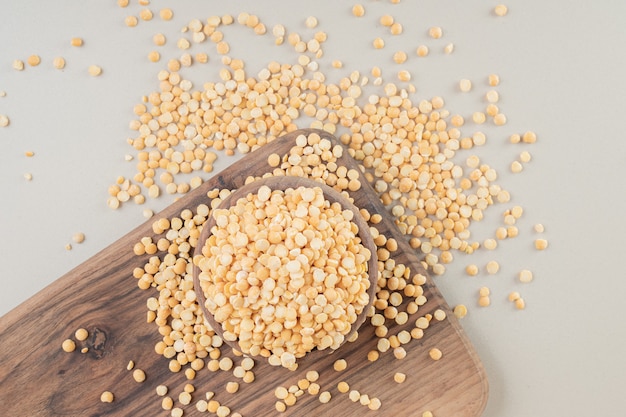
[283, 183]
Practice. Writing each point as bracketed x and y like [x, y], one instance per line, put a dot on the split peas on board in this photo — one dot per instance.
[405, 148]
[171, 271]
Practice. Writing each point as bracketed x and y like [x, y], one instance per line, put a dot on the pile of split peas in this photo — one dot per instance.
[188, 342]
[409, 151]
[284, 272]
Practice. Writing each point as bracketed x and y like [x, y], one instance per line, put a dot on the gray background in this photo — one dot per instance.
[561, 65]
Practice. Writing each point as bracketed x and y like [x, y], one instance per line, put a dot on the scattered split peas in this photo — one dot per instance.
[78, 237]
[166, 14]
[311, 22]
[107, 397]
[471, 270]
[490, 244]
[131, 21]
[435, 354]
[325, 397]
[68, 345]
[541, 244]
[340, 365]
[525, 276]
[404, 75]
[435, 32]
[358, 10]
[465, 85]
[399, 57]
[483, 297]
[232, 387]
[396, 29]
[18, 65]
[94, 70]
[396, 275]
[184, 398]
[33, 60]
[145, 14]
[492, 267]
[529, 137]
[58, 63]
[500, 10]
[460, 311]
[154, 56]
[378, 43]
[424, 229]
[139, 375]
[81, 334]
[517, 300]
[422, 50]
[419, 213]
[399, 377]
[207, 341]
[386, 20]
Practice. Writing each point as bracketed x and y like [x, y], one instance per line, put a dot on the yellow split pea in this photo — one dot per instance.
[422, 50]
[107, 397]
[435, 32]
[58, 62]
[166, 14]
[68, 345]
[94, 70]
[33, 60]
[139, 375]
[435, 354]
[399, 377]
[340, 365]
[358, 10]
[460, 311]
[18, 65]
[81, 334]
[4, 120]
[78, 237]
[500, 10]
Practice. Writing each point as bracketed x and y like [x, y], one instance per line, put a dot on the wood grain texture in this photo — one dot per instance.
[38, 379]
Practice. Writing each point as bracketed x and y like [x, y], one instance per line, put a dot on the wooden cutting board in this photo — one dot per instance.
[37, 378]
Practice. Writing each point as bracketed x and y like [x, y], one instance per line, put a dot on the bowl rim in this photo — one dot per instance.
[284, 182]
